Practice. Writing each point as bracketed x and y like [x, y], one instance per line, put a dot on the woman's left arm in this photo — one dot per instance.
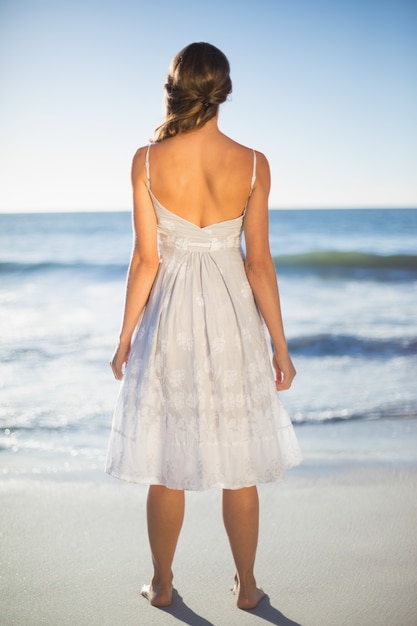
[143, 264]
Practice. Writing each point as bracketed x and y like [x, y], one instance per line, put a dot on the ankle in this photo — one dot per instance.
[162, 578]
[246, 580]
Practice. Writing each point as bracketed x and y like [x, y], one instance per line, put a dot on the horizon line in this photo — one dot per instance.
[297, 208]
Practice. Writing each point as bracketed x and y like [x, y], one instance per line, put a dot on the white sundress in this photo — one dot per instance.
[197, 407]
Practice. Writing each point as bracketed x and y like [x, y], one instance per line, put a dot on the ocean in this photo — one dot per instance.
[348, 284]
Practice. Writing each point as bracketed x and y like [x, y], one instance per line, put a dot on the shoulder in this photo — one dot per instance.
[261, 159]
[262, 166]
[138, 163]
[242, 147]
[140, 155]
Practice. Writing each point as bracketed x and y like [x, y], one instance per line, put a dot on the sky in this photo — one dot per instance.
[327, 89]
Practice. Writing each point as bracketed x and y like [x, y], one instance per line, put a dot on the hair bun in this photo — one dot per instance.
[198, 81]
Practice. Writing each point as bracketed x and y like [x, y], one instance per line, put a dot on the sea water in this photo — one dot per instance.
[348, 284]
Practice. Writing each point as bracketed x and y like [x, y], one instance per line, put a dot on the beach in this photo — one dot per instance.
[337, 543]
[338, 535]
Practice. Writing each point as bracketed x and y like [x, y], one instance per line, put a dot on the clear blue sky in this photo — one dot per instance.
[326, 89]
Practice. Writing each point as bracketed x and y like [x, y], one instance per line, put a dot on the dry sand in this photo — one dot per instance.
[338, 544]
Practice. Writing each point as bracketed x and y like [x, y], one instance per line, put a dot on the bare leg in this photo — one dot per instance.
[241, 520]
[165, 514]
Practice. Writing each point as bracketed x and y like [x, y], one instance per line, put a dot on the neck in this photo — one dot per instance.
[211, 127]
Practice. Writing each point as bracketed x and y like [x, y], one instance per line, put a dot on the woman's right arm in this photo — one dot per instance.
[143, 265]
[261, 274]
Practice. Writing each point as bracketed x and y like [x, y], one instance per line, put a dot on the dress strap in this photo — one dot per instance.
[148, 178]
[252, 182]
[253, 173]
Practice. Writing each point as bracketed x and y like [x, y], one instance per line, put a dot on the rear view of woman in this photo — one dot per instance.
[198, 406]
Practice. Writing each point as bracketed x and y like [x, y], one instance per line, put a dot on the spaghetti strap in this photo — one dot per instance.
[252, 182]
[253, 173]
[148, 179]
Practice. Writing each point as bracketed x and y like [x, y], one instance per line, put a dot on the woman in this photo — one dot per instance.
[198, 405]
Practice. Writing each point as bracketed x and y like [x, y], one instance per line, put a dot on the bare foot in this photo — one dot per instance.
[247, 598]
[158, 595]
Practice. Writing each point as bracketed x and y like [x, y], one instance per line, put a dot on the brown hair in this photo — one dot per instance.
[198, 81]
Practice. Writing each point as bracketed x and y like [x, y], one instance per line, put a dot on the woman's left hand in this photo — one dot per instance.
[284, 370]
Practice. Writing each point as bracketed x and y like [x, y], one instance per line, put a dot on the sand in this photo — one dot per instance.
[338, 543]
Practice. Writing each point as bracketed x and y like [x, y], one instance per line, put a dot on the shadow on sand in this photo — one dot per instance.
[270, 614]
[183, 613]
[264, 610]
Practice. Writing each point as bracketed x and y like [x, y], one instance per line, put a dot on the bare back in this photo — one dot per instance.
[203, 177]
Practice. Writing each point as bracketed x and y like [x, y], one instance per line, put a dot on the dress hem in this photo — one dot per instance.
[215, 484]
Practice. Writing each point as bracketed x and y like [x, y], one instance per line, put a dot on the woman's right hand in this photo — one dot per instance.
[119, 360]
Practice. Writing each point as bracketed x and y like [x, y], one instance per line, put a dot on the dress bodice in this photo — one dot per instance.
[178, 234]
